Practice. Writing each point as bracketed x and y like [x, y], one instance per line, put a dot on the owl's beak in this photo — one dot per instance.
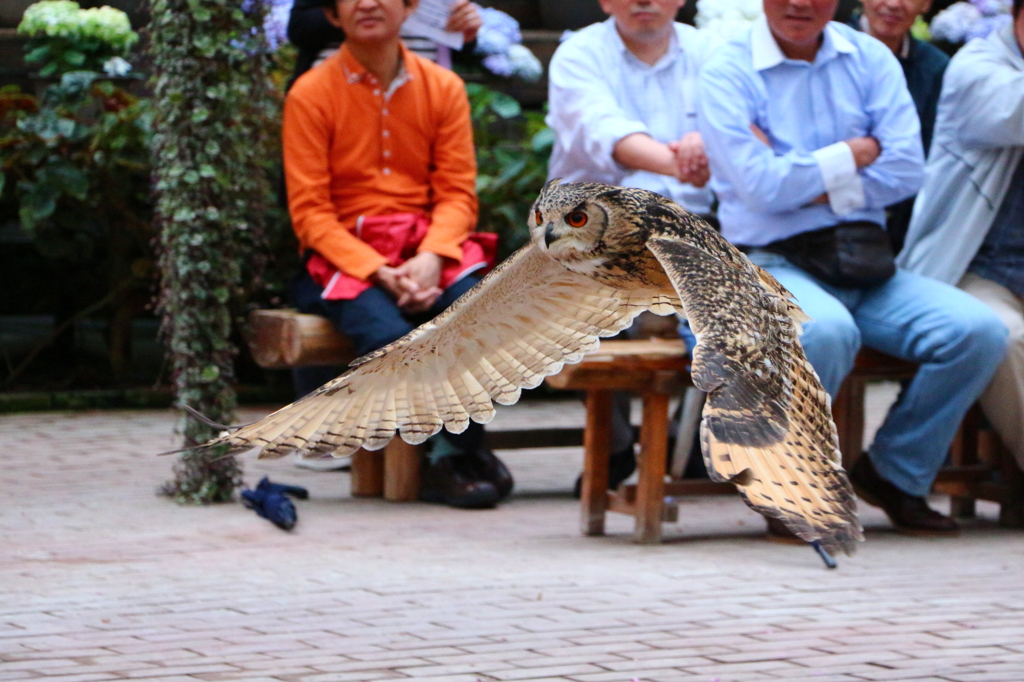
[549, 235]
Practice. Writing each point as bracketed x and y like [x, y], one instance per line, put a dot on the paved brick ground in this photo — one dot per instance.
[100, 579]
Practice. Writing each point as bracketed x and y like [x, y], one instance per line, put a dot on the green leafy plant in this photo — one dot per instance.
[67, 38]
[214, 102]
[512, 151]
[75, 160]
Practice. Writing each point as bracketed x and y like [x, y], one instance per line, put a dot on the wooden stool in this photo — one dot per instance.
[656, 369]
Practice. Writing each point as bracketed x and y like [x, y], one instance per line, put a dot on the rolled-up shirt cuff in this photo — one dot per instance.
[609, 135]
[842, 181]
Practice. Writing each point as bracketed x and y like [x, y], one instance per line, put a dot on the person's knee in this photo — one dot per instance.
[1015, 340]
[984, 333]
[831, 343]
[833, 334]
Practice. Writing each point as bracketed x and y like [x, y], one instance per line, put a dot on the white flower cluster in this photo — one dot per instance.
[727, 18]
[65, 19]
[500, 40]
[963, 21]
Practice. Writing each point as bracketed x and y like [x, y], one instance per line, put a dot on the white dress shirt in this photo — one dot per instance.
[600, 92]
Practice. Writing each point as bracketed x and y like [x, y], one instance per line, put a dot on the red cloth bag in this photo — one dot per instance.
[396, 237]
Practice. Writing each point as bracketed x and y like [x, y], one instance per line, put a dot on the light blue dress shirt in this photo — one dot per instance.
[599, 93]
[854, 87]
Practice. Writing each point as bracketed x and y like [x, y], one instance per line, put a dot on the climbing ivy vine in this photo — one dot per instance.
[214, 108]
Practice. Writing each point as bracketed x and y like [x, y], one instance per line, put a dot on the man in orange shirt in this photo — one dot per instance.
[380, 168]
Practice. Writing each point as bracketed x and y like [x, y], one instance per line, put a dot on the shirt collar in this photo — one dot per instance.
[674, 47]
[357, 73]
[766, 53]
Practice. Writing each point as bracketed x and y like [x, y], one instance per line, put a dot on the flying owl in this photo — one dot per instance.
[599, 256]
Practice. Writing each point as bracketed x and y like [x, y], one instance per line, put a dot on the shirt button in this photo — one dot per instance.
[385, 112]
[376, 92]
[386, 133]
[387, 153]
[387, 171]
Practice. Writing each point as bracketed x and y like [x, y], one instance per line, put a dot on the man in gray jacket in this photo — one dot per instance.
[968, 223]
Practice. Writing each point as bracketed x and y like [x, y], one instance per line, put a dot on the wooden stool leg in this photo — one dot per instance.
[401, 471]
[1011, 510]
[367, 474]
[963, 451]
[596, 453]
[848, 413]
[650, 490]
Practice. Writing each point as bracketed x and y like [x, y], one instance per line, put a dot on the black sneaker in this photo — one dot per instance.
[452, 481]
[491, 469]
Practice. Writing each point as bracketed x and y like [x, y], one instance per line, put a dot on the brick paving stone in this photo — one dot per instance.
[116, 583]
[361, 676]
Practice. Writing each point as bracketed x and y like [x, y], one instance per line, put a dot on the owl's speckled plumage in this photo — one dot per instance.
[598, 257]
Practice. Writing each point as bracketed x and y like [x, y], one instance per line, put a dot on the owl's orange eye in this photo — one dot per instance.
[538, 217]
[576, 219]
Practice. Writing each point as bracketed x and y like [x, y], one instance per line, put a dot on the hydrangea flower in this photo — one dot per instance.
[498, 64]
[115, 66]
[988, 24]
[500, 40]
[65, 19]
[524, 63]
[498, 33]
[991, 8]
[963, 21]
[276, 23]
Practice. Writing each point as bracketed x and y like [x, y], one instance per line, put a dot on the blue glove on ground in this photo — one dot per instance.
[270, 501]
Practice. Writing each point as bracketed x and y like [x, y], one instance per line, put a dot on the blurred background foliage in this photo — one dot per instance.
[77, 177]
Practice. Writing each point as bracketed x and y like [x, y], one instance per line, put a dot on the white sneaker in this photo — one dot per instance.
[328, 463]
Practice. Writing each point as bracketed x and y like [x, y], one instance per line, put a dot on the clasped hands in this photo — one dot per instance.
[691, 161]
[414, 283]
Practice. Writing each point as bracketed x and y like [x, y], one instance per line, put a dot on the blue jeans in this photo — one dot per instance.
[372, 320]
[957, 341]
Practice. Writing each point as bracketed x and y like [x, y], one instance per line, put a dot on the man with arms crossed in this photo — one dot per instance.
[808, 125]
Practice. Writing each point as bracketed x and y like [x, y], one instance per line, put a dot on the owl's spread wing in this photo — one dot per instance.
[767, 421]
[521, 323]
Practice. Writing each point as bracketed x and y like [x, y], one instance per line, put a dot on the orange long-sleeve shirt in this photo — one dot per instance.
[352, 149]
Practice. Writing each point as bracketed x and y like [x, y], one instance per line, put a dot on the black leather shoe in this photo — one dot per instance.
[491, 469]
[910, 514]
[452, 481]
[621, 466]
